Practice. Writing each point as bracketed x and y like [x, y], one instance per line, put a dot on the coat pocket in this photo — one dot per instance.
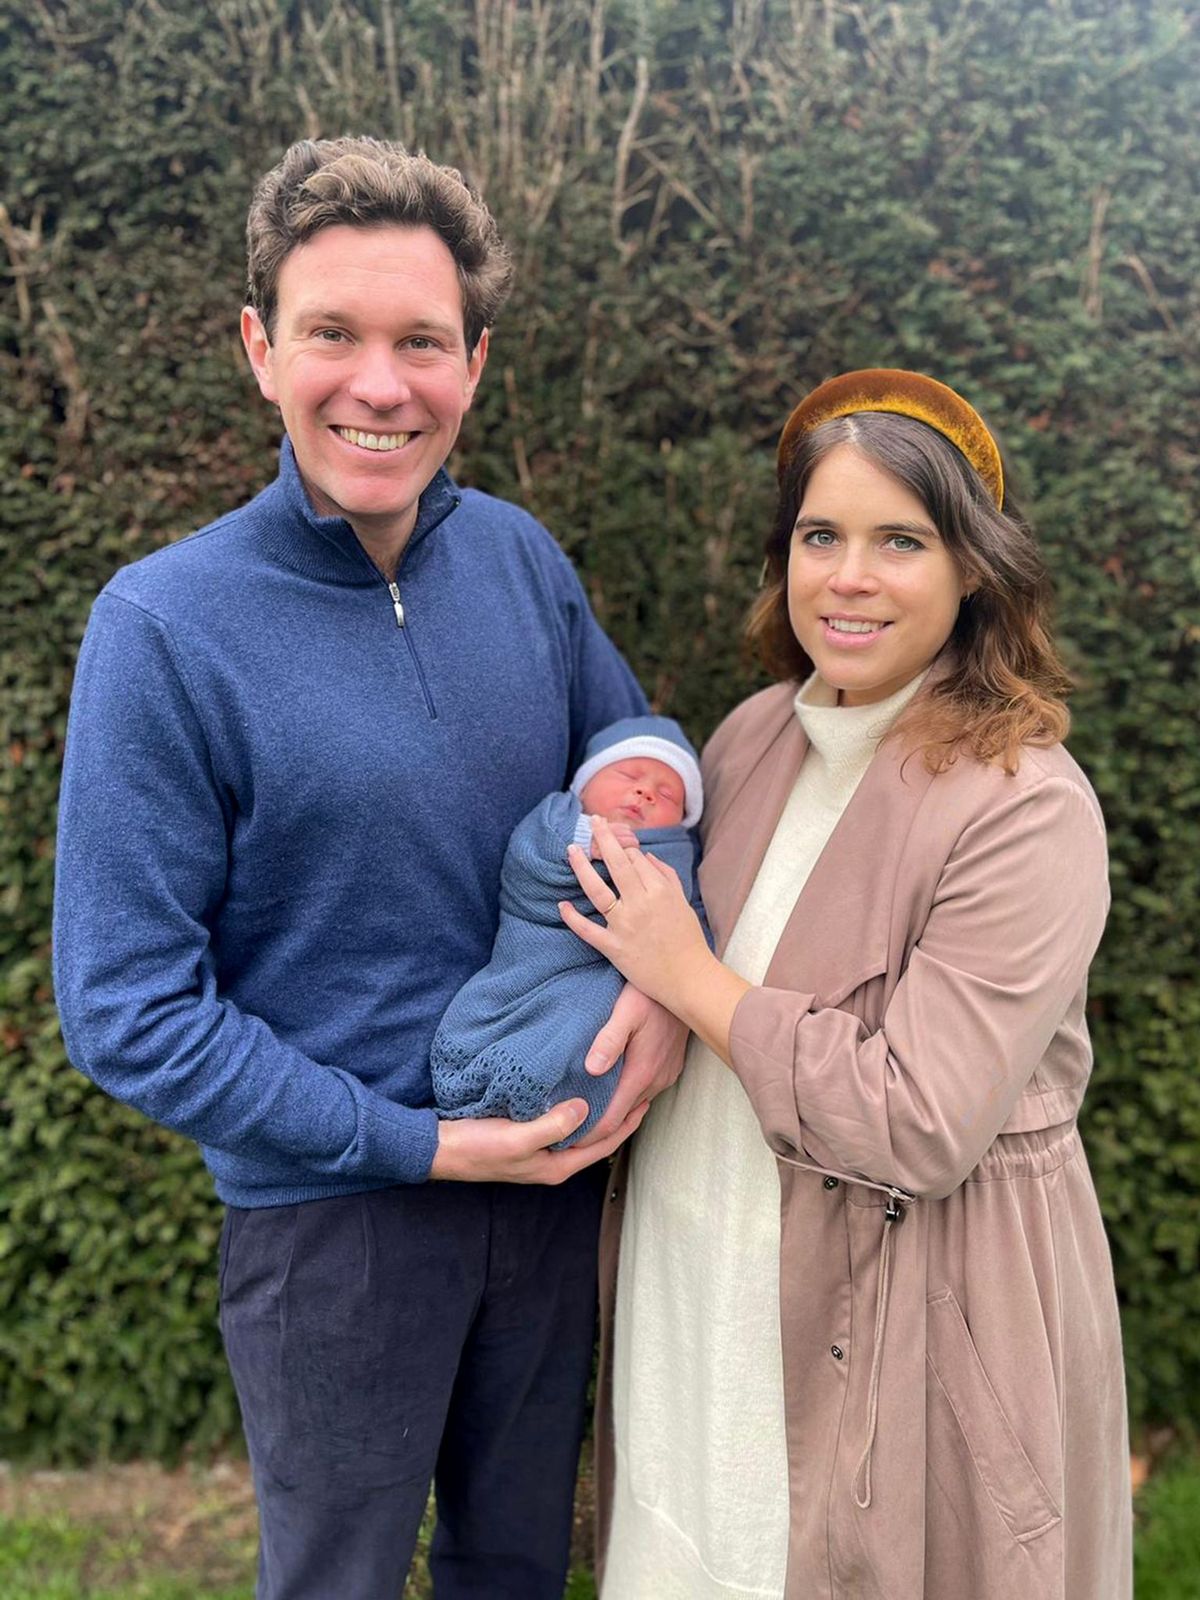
[1009, 1477]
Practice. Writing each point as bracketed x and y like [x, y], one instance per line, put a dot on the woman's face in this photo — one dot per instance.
[873, 592]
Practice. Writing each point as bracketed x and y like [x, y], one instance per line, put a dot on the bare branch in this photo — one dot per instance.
[520, 457]
[66, 363]
[1093, 298]
[641, 88]
[1140, 271]
[23, 245]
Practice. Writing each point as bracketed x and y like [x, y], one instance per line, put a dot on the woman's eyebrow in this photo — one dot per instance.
[923, 530]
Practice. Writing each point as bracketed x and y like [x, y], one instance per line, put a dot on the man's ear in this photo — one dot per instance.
[259, 352]
[476, 362]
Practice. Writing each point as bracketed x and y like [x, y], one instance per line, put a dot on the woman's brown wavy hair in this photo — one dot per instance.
[1007, 686]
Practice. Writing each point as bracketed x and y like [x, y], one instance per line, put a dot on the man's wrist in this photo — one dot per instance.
[443, 1164]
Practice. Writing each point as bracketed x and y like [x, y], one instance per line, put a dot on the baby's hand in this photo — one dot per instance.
[622, 833]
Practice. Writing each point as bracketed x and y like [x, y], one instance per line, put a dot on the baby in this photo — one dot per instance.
[513, 1039]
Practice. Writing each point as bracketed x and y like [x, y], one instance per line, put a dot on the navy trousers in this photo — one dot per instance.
[380, 1341]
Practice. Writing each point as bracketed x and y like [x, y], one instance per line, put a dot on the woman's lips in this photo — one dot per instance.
[852, 639]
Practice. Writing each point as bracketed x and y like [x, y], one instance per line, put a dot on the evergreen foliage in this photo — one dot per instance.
[714, 204]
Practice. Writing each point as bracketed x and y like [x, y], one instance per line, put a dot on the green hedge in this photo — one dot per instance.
[713, 206]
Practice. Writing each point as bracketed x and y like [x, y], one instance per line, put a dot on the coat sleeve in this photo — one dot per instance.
[141, 871]
[1016, 917]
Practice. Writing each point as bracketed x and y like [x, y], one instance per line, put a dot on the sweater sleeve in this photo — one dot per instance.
[141, 871]
[1017, 916]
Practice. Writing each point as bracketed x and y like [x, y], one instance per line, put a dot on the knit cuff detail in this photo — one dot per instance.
[395, 1143]
[583, 833]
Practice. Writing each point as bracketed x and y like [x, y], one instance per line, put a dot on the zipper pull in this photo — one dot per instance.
[394, 591]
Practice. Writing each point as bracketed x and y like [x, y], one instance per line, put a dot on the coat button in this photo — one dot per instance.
[615, 1194]
[831, 1183]
[836, 1351]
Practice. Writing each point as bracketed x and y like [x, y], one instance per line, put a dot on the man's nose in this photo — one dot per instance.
[379, 379]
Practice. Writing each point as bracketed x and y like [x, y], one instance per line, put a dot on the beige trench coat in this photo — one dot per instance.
[916, 1057]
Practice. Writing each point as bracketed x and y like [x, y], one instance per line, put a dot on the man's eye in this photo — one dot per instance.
[330, 335]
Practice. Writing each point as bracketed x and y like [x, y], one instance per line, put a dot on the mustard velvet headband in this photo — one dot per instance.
[906, 394]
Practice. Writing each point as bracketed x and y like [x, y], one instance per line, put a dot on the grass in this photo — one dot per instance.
[51, 1558]
[56, 1557]
[1167, 1538]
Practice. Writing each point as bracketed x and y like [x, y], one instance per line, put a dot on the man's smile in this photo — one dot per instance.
[373, 441]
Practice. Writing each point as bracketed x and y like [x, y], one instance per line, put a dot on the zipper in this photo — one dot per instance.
[393, 589]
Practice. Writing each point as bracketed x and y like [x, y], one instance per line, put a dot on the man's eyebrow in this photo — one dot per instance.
[321, 314]
[307, 314]
[432, 325]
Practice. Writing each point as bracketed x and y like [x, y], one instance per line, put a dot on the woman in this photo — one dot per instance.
[906, 876]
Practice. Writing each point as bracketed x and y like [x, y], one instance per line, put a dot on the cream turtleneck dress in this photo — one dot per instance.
[700, 1508]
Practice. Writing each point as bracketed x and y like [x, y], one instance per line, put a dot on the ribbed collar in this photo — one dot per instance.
[326, 548]
[846, 737]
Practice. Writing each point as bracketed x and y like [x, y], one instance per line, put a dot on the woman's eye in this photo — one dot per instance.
[821, 537]
[905, 541]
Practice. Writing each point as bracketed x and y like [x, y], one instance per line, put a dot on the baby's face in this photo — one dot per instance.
[640, 792]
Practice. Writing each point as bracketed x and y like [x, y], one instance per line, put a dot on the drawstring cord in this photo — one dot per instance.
[891, 1215]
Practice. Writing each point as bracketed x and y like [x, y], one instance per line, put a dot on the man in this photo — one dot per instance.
[299, 741]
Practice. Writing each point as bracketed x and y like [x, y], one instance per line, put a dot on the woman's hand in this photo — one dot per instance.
[622, 833]
[653, 937]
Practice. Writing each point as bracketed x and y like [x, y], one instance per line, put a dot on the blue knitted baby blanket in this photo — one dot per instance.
[513, 1039]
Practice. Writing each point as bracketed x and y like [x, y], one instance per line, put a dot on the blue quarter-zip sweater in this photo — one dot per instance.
[283, 815]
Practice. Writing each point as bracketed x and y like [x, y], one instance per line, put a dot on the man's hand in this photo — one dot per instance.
[487, 1149]
[652, 1042]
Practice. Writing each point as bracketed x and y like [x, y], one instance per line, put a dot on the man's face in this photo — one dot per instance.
[369, 368]
[640, 792]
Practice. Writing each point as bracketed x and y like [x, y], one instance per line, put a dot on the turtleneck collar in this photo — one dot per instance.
[326, 548]
[846, 737]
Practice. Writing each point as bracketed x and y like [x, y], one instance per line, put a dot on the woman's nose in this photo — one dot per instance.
[854, 574]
